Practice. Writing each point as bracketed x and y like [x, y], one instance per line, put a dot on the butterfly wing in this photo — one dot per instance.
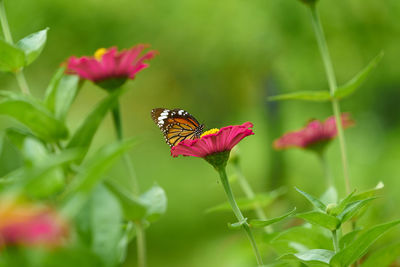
[176, 125]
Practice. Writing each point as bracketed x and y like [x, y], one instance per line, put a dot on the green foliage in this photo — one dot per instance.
[321, 219]
[263, 223]
[33, 115]
[315, 96]
[313, 200]
[11, 58]
[351, 86]
[61, 92]
[32, 45]
[321, 257]
[359, 246]
[383, 257]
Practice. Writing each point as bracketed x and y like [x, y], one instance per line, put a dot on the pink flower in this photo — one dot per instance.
[110, 68]
[213, 141]
[315, 133]
[30, 225]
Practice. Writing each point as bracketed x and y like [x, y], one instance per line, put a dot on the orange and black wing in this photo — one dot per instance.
[176, 125]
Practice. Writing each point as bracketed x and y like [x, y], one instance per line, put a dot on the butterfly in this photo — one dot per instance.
[176, 124]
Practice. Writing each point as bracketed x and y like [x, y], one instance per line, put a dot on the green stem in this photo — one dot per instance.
[323, 48]
[140, 231]
[8, 37]
[238, 213]
[248, 191]
[335, 241]
[326, 169]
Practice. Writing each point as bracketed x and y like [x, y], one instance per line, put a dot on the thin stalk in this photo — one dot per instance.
[326, 169]
[238, 213]
[335, 241]
[330, 74]
[248, 191]
[140, 231]
[23, 85]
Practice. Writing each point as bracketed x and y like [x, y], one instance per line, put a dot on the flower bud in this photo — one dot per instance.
[330, 209]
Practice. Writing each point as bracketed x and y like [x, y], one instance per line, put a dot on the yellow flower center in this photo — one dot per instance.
[211, 131]
[99, 53]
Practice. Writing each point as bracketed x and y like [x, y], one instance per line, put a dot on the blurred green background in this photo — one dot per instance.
[220, 60]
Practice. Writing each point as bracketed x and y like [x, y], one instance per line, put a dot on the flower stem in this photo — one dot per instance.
[23, 85]
[248, 191]
[323, 48]
[238, 213]
[140, 231]
[335, 241]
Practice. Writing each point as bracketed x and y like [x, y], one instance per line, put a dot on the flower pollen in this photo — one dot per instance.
[211, 131]
[99, 53]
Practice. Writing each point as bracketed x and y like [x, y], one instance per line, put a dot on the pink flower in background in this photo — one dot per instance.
[110, 68]
[314, 133]
[30, 225]
[213, 141]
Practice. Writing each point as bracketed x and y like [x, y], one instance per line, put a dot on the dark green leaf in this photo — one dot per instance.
[17, 136]
[155, 200]
[106, 225]
[32, 45]
[33, 115]
[317, 96]
[10, 156]
[313, 200]
[320, 256]
[260, 200]
[383, 257]
[85, 133]
[359, 247]
[353, 208]
[134, 209]
[351, 86]
[263, 223]
[321, 219]
[11, 58]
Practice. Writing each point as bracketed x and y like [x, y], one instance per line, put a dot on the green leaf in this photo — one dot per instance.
[321, 219]
[351, 86]
[61, 92]
[359, 247]
[383, 257]
[86, 131]
[10, 157]
[17, 136]
[301, 238]
[260, 200]
[11, 58]
[313, 200]
[369, 193]
[317, 96]
[352, 209]
[134, 209]
[32, 45]
[348, 238]
[155, 200]
[92, 171]
[342, 205]
[106, 225]
[237, 225]
[319, 256]
[33, 115]
[263, 223]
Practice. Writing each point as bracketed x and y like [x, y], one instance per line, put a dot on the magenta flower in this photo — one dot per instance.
[213, 141]
[110, 68]
[314, 135]
[30, 225]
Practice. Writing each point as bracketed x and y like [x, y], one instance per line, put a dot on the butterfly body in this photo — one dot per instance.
[176, 125]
